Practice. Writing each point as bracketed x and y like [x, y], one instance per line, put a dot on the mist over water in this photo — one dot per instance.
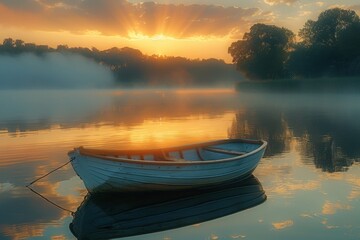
[52, 71]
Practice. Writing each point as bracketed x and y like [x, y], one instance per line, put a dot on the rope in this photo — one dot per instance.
[49, 201]
[49, 173]
[46, 199]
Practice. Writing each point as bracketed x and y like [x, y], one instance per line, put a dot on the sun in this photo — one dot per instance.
[156, 37]
[160, 37]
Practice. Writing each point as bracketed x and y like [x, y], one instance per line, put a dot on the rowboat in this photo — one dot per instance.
[173, 168]
[117, 215]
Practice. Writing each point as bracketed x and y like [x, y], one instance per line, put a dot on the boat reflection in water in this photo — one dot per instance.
[105, 216]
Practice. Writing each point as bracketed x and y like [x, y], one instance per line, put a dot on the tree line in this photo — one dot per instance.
[132, 68]
[328, 46]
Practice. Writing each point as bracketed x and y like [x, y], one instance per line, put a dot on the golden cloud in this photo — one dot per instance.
[275, 2]
[320, 4]
[355, 183]
[330, 208]
[23, 228]
[122, 18]
[289, 188]
[5, 187]
[22, 231]
[354, 194]
[283, 224]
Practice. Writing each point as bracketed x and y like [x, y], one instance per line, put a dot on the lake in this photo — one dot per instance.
[310, 172]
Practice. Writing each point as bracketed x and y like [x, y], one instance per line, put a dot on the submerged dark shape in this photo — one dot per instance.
[106, 216]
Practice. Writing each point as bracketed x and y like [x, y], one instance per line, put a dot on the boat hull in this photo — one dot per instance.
[101, 175]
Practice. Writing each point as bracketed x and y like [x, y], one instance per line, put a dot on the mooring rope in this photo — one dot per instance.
[47, 174]
[49, 201]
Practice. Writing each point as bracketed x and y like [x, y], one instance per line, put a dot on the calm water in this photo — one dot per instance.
[310, 174]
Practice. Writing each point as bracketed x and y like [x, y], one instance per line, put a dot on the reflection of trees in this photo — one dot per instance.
[327, 134]
[325, 153]
[267, 124]
[23, 126]
[331, 141]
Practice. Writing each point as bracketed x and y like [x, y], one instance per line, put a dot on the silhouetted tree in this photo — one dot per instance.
[19, 43]
[262, 52]
[327, 30]
[329, 46]
[8, 43]
[62, 48]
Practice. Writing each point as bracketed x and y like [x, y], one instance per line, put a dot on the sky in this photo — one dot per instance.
[187, 28]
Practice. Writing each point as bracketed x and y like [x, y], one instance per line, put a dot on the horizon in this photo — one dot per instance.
[197, 29]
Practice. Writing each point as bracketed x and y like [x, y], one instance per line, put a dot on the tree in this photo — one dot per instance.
[62, 48]
[19, 43]
[327, 30]
[262, 52]
[8, 44]
[329, 46]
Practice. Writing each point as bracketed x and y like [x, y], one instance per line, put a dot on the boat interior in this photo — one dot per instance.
[180, 154]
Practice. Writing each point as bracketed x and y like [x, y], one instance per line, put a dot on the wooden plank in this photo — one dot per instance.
[181, 154]
[220, 150]
[199, 155]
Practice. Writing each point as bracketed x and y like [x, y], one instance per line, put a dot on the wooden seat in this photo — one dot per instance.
[220, 150]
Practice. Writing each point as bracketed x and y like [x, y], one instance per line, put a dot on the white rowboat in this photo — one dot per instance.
[184, 167]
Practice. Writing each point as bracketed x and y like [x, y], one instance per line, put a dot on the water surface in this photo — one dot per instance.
[310, 172]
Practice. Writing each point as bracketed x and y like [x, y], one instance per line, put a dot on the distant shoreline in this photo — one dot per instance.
[324, 84]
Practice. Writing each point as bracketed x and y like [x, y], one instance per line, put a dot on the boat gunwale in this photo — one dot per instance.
[171, 162]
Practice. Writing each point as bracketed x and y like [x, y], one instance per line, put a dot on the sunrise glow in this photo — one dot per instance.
[179, 28]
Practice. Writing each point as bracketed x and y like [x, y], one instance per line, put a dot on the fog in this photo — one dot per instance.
[24, 110]
[52, 71]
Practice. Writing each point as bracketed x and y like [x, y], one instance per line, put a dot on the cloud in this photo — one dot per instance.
[22, 5]
[122, 18]
[304, 13]
[5, 187]
[28, 212]
[289, 188]
[276, 2]
[355, 191]
[330, 208]
[283, 224]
